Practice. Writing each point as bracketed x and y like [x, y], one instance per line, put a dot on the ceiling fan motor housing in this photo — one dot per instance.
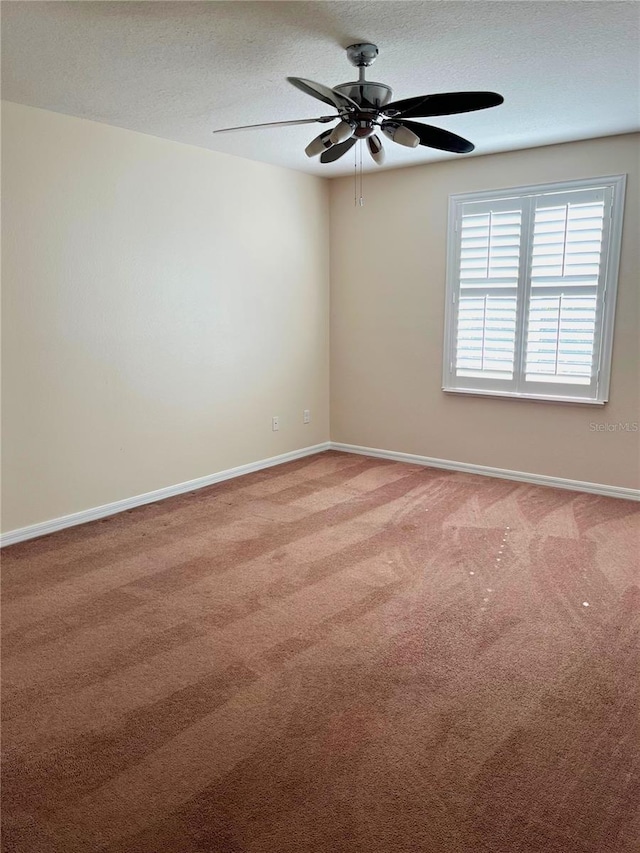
[368, 95]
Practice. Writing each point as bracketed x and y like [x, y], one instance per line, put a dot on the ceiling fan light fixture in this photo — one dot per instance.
[341, 132]
[401, 135]
[319, 144]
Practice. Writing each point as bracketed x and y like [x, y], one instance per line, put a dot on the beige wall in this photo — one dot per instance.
[160, 303]
[387, 304]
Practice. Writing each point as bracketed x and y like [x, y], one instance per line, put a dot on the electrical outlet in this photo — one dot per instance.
[275, 423]
[306, 417]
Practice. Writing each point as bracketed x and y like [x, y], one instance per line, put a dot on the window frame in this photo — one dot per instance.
[607, 292]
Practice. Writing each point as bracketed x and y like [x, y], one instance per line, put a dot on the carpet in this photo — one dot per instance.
[340, 654]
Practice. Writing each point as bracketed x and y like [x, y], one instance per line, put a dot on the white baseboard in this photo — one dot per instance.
[486, 471]
[44, 527]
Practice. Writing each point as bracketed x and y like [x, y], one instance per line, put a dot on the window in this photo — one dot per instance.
[531, 287]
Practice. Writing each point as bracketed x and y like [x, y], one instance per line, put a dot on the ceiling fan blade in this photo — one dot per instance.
[337, 151]
[435, 137]
[277, 124]
[323, 93]
[447, 103]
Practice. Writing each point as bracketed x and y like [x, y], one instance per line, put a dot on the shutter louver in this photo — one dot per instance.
[489, 265]
[565, 276]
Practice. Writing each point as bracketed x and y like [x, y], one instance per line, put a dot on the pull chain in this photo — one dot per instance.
[358, 199]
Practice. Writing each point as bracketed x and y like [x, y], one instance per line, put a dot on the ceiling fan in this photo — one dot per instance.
[364, 106]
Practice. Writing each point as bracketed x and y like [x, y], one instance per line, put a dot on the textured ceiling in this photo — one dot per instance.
[567, 69]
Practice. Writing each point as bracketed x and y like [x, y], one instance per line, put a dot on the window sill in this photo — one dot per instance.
[510, 395]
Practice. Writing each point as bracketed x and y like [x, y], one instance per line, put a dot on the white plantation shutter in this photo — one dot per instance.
[565, 279]
[489, 263]
[531, 290]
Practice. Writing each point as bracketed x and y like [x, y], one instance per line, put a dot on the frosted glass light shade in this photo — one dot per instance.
[401, 135]
[319, 144]
[374, 143]
[341, 132]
